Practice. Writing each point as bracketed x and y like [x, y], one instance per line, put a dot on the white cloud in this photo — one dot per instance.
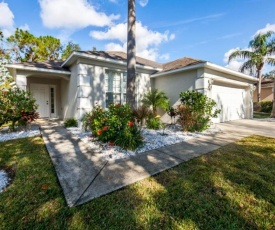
[147, 40]
[72, 14]
[234, 64]
[268, 27]
[143, 3]
[24, 27]
[6, 19]
[164, 57]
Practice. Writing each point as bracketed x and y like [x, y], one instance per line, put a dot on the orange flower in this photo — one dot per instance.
[130, 123]
[99, 132]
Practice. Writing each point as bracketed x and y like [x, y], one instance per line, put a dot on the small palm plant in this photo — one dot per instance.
[156, 99]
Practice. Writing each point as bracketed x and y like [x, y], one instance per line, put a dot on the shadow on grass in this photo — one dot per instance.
[230, 188]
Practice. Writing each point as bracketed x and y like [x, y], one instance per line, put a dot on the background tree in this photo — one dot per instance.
[131, 54]
[156, 99]
[261, 48]
[70, 47]
[25, 47]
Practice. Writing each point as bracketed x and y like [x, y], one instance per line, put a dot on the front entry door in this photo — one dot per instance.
[42, 97]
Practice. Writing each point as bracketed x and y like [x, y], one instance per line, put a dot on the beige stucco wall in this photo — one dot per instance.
[266, 94]
[173, 85]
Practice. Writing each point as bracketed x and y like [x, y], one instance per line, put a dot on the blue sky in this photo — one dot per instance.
[166, 30]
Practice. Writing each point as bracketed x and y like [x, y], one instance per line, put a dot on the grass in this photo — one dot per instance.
[231, 188]
[261, 115]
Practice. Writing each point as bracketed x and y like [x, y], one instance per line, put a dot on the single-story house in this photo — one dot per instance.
[266, 91]
[72, 87]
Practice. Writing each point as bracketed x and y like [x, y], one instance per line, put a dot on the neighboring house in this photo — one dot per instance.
[71, 88]
[266, 91]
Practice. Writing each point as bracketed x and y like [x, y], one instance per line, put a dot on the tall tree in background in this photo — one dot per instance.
[70, 47]
[25, 47]
[261, 48]
[131, 54]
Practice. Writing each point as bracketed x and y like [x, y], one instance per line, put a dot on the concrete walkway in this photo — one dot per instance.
[84, 176]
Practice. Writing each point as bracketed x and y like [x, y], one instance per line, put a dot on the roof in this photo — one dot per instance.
[122, 56]
[180, 63]
[50, 65]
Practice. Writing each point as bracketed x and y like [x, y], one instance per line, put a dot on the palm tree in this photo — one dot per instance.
[131, 54]
[273, 105]
[259, 53]
[155, 99]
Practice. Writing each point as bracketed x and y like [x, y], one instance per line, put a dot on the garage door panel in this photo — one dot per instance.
[231, 101]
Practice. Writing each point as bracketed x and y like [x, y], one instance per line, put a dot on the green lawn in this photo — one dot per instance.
[231, 188]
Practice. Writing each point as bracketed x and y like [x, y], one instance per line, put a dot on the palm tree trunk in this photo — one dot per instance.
[273, 107]
[259, 88]
[131, 54]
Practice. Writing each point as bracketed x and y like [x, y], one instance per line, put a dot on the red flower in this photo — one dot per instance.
[130, 123]
[105, 128]
[111, 143]
[99, 132]
[117, 104]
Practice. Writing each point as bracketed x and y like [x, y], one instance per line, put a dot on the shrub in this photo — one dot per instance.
[87, 120]
[18, 107]
[70, 122]
[266, 106]
[197, 111]
[263, 106]
[155, 99]
[141, 114]
[129, 138]
[115, 125]
[185, 117]
[154, 123]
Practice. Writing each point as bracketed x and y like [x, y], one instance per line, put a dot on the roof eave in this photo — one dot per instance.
[200, 65]
[44, 70]
[229, 71]
[209, 66]
[109, 60]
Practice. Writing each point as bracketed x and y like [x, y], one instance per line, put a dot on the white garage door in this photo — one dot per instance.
[231, 101]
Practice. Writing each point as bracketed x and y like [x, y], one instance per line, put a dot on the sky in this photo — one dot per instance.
[166, 29]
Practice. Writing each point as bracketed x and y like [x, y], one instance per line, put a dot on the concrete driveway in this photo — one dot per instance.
[84, 176]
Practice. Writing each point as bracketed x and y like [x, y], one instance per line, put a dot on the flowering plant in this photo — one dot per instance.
[114, 126]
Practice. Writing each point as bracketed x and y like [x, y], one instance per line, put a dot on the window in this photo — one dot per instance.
[115, 87]
[52, 99]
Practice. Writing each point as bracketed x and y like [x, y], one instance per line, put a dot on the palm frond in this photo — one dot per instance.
[270, 61]
[247, 66]
[243, 54]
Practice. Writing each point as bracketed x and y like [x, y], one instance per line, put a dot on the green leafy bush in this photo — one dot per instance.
[18, 107]
[156, 99]
[70, 122]
[115, 125]
[266, 106]
[154, 123]
[196, 111]
[263, 106]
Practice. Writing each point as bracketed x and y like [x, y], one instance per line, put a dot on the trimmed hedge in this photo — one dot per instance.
[263, 106]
